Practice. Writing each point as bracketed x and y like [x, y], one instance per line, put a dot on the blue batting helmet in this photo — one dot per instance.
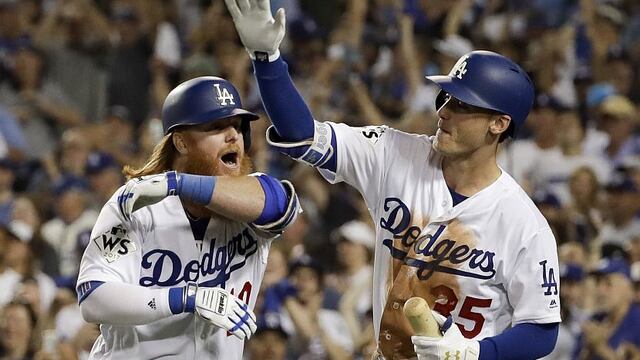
[202, 100]
[490, 81]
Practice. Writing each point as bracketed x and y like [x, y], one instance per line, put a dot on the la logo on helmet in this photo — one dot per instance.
[460, 68]
[224, 95]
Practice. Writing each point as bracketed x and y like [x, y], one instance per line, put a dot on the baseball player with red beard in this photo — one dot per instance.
[178, 253]
[452, 227]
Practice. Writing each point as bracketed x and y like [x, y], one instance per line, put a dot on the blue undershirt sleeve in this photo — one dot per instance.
[287, 110]
[540, 341]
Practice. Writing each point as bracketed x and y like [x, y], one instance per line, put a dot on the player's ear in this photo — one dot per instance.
[499, 124]
[179, 142]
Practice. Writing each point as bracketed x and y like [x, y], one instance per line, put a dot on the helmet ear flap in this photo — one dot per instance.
[245, 127]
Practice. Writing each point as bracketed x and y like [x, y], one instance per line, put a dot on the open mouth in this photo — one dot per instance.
[230, 159]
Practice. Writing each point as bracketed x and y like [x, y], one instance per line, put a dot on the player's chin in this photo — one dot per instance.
[440, 141]
[446, 147]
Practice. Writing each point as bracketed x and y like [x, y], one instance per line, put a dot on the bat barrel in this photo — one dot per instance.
[417, 311]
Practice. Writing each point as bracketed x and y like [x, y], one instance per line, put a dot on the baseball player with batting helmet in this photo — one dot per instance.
[177, 254]
[452, 227]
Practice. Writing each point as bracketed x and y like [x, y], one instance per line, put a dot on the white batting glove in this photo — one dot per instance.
[224, 310]
[145, 191]
[452, 345]
[260, 33]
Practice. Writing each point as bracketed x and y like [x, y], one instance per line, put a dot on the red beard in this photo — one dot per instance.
[200, 163]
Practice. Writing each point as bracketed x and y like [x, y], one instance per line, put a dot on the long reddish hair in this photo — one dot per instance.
[160, 160]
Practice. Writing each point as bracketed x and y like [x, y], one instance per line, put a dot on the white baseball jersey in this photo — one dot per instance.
[158, 249]
[490, 261]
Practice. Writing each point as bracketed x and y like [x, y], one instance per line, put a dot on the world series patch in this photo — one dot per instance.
[114, 244]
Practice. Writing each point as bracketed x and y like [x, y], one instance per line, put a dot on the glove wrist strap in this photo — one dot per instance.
[190, 297]
[264, 56]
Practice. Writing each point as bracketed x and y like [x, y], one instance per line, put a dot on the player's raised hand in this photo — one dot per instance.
[226, 311]
[145, 191]
[260, 33]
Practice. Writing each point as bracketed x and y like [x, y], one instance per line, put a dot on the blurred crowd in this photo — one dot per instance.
[82, 84]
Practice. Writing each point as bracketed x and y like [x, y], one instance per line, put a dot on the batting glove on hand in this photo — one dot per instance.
[452, 345]
[223, 310]
[259, 31]
[145, 191]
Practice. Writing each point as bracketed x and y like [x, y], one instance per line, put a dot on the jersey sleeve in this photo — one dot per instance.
[361, 161]
[534, 288]
[114, 251]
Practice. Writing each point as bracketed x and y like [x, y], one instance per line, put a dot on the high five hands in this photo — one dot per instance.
[259, 32]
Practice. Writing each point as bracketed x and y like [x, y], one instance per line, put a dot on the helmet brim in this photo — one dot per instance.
[215, 116]
[458, 91]
[244, 114]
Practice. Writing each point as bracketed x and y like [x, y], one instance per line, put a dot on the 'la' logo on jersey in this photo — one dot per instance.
[548, 280]
[223, 95]
[460, 68]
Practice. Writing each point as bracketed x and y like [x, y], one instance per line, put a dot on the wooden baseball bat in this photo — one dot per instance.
[417, 311]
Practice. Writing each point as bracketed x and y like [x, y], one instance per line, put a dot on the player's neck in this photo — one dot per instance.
[470, 174]
[195, 211]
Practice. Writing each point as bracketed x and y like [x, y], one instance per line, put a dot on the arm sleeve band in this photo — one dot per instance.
[282, 217]
[196, 188]
[286, 108]
[275, 200]
[540, 341]
[125, 304]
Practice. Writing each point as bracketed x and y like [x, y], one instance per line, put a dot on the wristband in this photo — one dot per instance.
[196, 188]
